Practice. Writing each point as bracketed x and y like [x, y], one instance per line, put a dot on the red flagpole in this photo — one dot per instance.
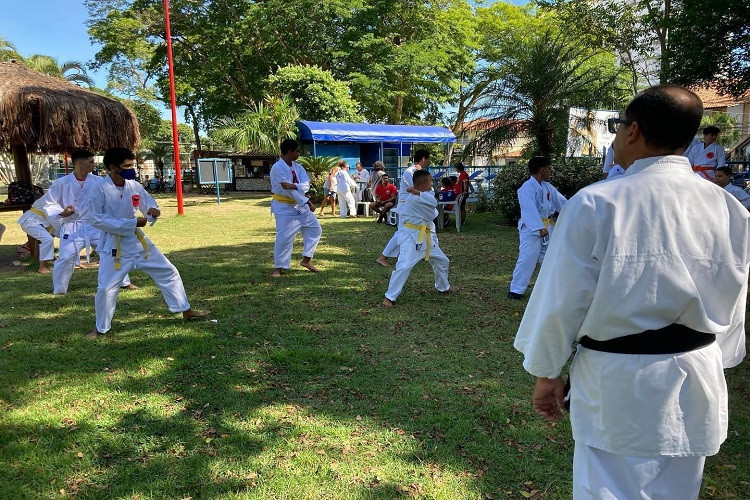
[175, 138]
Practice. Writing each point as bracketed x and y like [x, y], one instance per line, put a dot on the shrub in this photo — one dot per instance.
[568, 176]
[317, 168]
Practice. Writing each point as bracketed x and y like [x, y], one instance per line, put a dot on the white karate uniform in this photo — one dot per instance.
[344, 186]
[75, 233]
[41, 227]
[705, 160]
[292, 218]
[609, 160]
[615, 171]
[421, 211]
[113, 210]
[632, 244]
[538, 202]
[407, 180]
[740, 194]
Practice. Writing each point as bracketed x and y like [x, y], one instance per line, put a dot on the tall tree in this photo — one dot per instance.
[8, 51]
[72, 71]
[261, 128]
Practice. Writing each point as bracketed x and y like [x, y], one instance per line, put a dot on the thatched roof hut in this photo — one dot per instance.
[42, 113]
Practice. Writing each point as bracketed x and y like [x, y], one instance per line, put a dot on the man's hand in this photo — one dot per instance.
[548, 397]
[68, 211]
[311, 205]
[288, 185]
[413, 191]
[153, 212]
[543, 232]
[141, 222]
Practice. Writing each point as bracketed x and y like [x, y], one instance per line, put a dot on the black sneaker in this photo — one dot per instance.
[515, 296]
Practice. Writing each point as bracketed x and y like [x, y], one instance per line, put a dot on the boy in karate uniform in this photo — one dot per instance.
[37, 223]
[293, 211]
[707, 156]
[417, 239]
[124, 246]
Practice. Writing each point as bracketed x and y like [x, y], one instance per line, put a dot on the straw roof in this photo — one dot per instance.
[46, 114]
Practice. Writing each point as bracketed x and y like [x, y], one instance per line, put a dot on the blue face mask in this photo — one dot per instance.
[127, 174]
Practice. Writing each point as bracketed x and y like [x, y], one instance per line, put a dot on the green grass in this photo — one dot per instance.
[303, 388]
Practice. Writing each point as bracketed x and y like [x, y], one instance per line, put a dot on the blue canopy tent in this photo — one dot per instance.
[367, 142]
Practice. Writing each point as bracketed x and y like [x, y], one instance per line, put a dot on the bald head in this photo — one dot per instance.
[668, 116]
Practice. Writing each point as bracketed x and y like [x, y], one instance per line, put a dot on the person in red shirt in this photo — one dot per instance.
[385, 197]
[462, 187]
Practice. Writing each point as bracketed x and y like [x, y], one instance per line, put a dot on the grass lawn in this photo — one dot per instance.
[303, 387]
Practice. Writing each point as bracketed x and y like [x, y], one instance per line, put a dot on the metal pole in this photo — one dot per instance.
[315, 150]
[173, 101]
[216, 179]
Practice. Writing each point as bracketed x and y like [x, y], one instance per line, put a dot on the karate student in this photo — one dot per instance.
[421, 160]
[655, 298]
[611, 168]
[417, 239]
[68, 205]
[539, 200]
[724, 179]
[344, 186]
[37, 223]
[293, 211]
[124, 247]
[708, 156]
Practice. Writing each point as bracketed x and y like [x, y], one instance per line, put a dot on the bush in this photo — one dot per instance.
[568, 176]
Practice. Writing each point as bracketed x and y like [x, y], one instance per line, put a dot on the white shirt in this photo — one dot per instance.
[609, 160]
[282, 172]
[362, 175]
[407, 179]
[419, 209]
[344, 182]
[68, 190]
[740, 194]
[615, 171]
[114, 210]
[662, 257]
[538, 201]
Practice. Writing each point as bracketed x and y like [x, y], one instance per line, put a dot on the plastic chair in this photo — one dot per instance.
[456, 211]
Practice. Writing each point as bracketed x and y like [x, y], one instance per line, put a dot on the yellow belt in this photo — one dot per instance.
[548, 222]
[141, 237]
[284, 199]
[423, 230]
[41, 214]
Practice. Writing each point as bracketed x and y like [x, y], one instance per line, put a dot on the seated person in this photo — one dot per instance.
[385, 197]
[170, 183]
[153, 184]
[449, 191]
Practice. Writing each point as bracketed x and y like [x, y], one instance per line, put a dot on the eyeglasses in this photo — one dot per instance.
[613, 122]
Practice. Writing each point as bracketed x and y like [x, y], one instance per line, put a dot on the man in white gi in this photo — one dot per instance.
[646, 288]
[344, 186]
[293, 211]
[709, 155]
[539, 201]
[417, 239]
[68, 205]
[724, 179]
[421, 160]
[124, 247]
[38, 224]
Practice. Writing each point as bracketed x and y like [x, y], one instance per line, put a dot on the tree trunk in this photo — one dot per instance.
[196, 131]
[21, 161]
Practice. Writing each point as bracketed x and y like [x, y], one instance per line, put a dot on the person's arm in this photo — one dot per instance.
[721, 161]
[558, 200]
[148, 205]
[465, 184]
[107, 223]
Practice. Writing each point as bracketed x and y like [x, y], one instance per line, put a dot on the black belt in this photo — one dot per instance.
[671, 339]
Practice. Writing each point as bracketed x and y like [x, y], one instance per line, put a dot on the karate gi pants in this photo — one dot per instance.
[287, 227]
[409, 256]
[347, 204]
[600, 475]
[164, 274]
[46, 241]
[74, 237]
[530, 251]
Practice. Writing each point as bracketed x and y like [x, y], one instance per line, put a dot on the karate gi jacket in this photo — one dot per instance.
[538, 201]
[66, 191]
[281, 172]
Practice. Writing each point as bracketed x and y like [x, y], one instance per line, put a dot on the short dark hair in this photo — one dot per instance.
[81, 154]
[460, 167]
[446, 181]
[419, 154]
[537, 163]
[726, 170]
[668, 115]
[711, 129]
[115, 156]
[418, 175]
[378, 165]
[288, 145]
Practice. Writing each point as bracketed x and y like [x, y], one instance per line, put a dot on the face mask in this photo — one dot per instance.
[127, 174]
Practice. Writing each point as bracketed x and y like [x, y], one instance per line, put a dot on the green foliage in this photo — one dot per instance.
[71, 71]
[8, 51]
[316, 94]
[318, 164]
[730, 130]
[262, 128]
[567, 176]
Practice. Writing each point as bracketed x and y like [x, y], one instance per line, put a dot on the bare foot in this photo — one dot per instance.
[387, 303]
[93, 334]
[130, 287]
[452, 289]
[276, 273]
[308, 265]
[383, 261]
[193, 314]
[43, 269]
[59, 294]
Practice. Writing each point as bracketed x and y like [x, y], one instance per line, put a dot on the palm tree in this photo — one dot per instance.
[261, 128]
[8, 51]
[531, 91]
[72, 71]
